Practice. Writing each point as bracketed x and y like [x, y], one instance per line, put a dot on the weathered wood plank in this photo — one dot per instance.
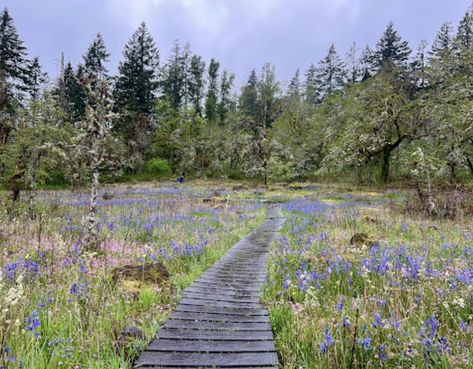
[216, 284]
[219, 317]
[202, 302]
[221, 310]
[219, 297]
[216, 326]
[189, 334]
[221, 291]
[210, 346]
[207, 360]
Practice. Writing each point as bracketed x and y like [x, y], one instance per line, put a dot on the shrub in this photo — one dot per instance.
[158, 167]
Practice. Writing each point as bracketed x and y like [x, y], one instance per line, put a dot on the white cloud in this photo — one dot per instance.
[205, 15]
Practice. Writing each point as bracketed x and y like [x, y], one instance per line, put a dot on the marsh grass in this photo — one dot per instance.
[403, 301]
[60, 306]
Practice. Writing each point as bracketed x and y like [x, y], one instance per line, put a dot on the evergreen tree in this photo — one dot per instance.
[175, 77]
[311, 86]
[13, 62]
[212, 91]
[294, 88]
[419, 66]
[95, 59]
[367, 63]
[331, 73]
[267, 91]
[225, 103]
[135, 90]
[353, 64]
[443, 43]
[196, 83]
[36, 78]
[137, 81]
[464, 36]
[248, 104]
[78, 95]
[391, 50]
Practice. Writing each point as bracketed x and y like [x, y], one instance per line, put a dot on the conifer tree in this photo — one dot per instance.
[311, 86]
[225, 103]
[136, 89]
[13, 62]
[367, 69]
[248, 104]
[212, 91]
[137, 81]
[391, 50]
[331, 72]
[36, 78]
[196, 83]
[175, 77]
[268, 90]
[95, 59]
[294, 87]
[464, 36]
[353, 64]
[443, 43]
[419, 66]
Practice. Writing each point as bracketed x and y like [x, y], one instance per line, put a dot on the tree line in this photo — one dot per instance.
[374, 115]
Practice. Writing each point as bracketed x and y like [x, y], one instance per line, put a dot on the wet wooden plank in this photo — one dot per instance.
[219, 317]
[202, 302]
[221, 291]
[220, 326]
[218, 297]
[207, 359]
[188, 334]
[229, 286]
[211, 346]
[221, 310]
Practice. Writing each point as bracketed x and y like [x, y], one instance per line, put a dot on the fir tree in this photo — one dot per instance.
[294, 87]
[443, 43]
[137, 81]
[212, 91]
[311, 86]
[391, 50]
[135, 90]
[196, 82]
[36, 78]
[353, 64]
[13, 62]
[419, 65]
[331, 73]
[464, 36]
[225, 103]
[268, 90]
[95, 59]
[175, 77]
[78, 94]
[367, 69]
[248, 104]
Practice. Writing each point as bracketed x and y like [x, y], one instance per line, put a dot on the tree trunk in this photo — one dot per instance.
[91, 243]
[385, 165]
[470, 165]
[453, 175]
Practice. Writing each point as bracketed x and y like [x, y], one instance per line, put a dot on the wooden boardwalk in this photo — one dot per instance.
[219, 323]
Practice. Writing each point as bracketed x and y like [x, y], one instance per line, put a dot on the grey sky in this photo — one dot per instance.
[241, 34]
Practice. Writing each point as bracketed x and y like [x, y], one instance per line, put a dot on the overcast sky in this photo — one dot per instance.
[241, 34]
